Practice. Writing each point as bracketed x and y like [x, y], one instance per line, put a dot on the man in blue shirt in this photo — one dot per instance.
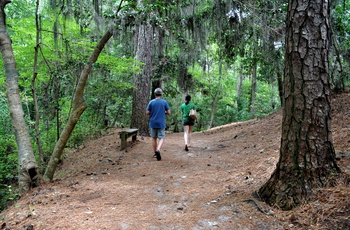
[157, 109]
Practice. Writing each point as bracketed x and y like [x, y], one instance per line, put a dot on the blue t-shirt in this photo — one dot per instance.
[157, 108]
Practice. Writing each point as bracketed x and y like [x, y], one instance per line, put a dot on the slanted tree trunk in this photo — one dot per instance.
[27, 166]
[307, 157]
[79, 106]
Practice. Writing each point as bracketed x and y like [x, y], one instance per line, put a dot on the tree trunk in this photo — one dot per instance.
[142, 81]
[339, 86]
[212, 112]
[35, 101]
[79, 107]
[307, 157]
[280, 86]
[239, 90]
[160, 60]
[79, 104]
[120, 106]
[27, 166]
[253, 88]
[218, 90]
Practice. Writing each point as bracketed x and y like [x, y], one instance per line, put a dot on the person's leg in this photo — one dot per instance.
[161, 137]
[154, 138]
[157, 152]
[189, 135]
[160, 143]
[154, 143]
[186, 129]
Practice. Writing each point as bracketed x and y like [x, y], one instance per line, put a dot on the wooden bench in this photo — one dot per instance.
[125, 134]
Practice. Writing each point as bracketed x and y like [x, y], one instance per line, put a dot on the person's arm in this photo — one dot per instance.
[167, 109]
[148, 108]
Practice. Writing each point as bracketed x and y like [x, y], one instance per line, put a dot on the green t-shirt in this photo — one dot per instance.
[185, 110]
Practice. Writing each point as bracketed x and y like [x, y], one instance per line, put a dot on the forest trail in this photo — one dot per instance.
[97, 186]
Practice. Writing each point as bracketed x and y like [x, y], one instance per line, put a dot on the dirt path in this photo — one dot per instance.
[210, 187]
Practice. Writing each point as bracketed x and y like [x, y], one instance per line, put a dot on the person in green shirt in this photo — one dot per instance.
[187, 121]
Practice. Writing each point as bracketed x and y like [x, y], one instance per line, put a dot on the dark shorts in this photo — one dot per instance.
[189, 122]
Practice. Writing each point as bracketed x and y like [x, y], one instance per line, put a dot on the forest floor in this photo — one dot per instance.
[97, 186]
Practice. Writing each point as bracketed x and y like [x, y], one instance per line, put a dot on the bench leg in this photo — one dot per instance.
[123, 138]
[134, 137]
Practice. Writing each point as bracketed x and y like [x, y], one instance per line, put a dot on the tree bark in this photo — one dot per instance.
[239, 91]
[307, 157]
[79, 106]
[142, 81]
[253, 88]
[27, 166]
[35, 101]
[280, 85]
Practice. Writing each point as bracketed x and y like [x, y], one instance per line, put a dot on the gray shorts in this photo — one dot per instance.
[158, 133]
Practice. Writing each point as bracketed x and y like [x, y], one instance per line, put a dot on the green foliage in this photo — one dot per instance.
[7, 195]
[267, 99]
[8, 154]
[59, 65]
[341, 31]
[188, 62]
[7, 142]
[229, 108]
[341, 17]
[20, 9]
[108, 91]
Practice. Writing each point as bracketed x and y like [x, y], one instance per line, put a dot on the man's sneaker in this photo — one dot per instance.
[157, 154]
[186, 148]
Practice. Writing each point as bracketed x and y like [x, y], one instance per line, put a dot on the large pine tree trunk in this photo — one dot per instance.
[307, 157]
[159, 60]
[142, 81]
[27, 166]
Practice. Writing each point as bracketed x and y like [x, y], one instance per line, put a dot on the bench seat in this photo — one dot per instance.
[125, 134]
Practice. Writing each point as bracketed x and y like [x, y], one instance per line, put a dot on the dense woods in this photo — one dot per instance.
[80, 67]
